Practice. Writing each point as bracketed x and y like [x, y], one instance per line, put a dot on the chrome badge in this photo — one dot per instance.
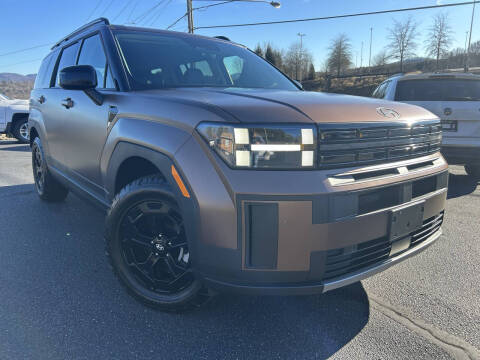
[388, 113]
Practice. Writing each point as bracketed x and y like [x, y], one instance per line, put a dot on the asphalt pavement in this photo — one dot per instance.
[60, 300]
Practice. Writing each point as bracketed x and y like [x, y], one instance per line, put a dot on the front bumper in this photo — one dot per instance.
[267, 232]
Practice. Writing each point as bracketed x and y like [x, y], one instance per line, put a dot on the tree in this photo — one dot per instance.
[340, 54]
[380, 59]
[402, 40]
[269, 55]
[258, 50]
[311, 72]
[439, 37]
[297, 60]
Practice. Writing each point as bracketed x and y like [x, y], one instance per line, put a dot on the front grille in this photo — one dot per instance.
[347, 260]
[370, 143]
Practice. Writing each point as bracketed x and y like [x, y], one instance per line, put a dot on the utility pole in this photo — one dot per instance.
[190, 16]
[469, 39]
[370, 55]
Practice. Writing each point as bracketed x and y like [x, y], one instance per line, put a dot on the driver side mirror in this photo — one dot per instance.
[81, 77]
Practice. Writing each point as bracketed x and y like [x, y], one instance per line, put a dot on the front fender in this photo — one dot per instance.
[147, 138]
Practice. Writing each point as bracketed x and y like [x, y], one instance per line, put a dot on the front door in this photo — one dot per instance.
[86, 123]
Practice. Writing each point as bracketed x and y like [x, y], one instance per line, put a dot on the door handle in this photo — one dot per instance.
[41, 99]
[68, 103]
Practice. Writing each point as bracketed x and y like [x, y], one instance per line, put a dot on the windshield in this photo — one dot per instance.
[162, 60]
[3, 97]
[438, 90]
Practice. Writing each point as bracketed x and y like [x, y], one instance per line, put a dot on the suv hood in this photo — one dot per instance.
[259, 105]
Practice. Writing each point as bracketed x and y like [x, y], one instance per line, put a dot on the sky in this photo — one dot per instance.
[31, 23]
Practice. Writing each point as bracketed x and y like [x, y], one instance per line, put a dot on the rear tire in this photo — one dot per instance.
[48, 188]
[147, 247]
[20, 131]
[473, 171]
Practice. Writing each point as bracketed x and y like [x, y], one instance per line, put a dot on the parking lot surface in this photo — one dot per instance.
[60, 300]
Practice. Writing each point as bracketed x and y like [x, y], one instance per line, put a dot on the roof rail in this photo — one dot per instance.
[221, 37]
[82, 28]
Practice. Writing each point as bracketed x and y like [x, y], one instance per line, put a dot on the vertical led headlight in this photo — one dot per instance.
[263, 146]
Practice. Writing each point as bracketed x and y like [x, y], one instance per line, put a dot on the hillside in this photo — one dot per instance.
[16, 86]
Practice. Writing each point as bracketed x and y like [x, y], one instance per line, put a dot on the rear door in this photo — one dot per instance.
[54, 113]
[455, 101]
[86, 123]
[42, 109]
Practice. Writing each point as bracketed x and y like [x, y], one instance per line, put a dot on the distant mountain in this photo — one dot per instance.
[12, 77]
[16, 86]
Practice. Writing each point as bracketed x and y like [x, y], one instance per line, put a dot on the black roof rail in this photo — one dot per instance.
[82, 28]
[221, 37]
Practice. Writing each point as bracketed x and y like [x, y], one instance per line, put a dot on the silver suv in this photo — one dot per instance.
[455, 99]
[220, 174]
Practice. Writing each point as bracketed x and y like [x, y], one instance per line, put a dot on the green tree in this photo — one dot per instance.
[269, 55]
[311, 72]
[258, 50]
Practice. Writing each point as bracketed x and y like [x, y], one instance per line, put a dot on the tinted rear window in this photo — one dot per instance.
[438, 90]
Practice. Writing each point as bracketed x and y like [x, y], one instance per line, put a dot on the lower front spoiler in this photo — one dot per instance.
[317, 288]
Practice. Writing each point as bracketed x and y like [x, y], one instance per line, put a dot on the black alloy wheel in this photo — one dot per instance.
[148, 249]
[154, 246]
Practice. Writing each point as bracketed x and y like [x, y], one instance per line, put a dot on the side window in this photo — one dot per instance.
[92, 54]
[385, 89]
[109, 83]
[41, 81]
[234, 67]
[68, 58]
[380, 91]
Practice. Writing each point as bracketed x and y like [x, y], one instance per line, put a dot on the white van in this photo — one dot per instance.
[455, 99]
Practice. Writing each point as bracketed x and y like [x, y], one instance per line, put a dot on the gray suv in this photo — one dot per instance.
[220, 174]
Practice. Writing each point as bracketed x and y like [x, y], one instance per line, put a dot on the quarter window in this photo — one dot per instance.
[43, 80]
[68, 58]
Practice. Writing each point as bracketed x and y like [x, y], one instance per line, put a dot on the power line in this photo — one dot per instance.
[121, 11]
[160, 12]
[21, 62]
[131, 12]
[94, 9]
[146, 13]
[339, 16]
[26, 49]
[176, 21]
[108, 6]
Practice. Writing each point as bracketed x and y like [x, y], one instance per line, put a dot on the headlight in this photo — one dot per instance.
[263, 147]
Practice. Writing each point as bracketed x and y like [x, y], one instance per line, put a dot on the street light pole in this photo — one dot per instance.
[190, 8]
[190, 16]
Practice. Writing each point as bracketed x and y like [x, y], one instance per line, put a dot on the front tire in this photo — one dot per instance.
[473, 171]
[20, 131]
[48, 188]
[147, 246]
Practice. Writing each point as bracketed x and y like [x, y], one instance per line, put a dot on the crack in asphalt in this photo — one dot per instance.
[454, 345]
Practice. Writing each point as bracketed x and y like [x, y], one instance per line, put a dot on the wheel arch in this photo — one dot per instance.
[126, 152]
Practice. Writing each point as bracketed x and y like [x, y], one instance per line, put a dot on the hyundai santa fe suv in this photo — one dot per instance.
[455, 99]
[220, 174]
